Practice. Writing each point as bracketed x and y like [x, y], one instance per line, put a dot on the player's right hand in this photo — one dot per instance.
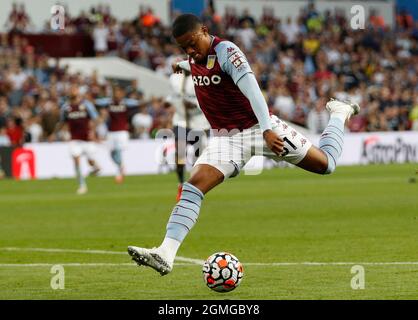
[273, 141]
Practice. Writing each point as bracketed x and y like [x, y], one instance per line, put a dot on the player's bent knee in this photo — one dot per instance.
[205, 177]
[316, 161]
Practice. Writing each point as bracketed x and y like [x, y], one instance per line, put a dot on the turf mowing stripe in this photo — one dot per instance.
[199, 262]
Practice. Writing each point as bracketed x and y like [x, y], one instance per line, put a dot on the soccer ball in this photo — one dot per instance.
[222, 272]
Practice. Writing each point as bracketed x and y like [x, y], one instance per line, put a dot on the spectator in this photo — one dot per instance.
[4, 142]
[318, 117]
[413, 115]
[34, 129]
[291, 30]
[247, 18]
[4, 112]
[312, 57]
[284, 106]
[142, 123]
[100, 36]
[404, 20]
[246, 35]
[15, 131]
[17, 78]
[376, 20]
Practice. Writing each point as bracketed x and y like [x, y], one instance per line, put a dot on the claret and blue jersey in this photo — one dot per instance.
[78, 116]
[215, 80]
[118, 112]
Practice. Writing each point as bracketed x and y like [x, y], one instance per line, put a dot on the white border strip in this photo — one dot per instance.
[181, 259]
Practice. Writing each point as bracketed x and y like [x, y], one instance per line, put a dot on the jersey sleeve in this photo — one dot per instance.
[232, 60]
[102, 102]
[91, 110]
[131, 103]
[174, 91]
[63, 112]
[185, 65]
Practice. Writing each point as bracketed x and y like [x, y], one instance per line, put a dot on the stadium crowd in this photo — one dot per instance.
[299, 63]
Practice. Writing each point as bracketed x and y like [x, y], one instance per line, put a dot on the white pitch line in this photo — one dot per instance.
[181, 259]
[73, 264]
[61, 250]
[198, 261]
[330, 263]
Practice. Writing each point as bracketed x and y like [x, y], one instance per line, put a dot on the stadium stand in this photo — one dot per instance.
[299, 63]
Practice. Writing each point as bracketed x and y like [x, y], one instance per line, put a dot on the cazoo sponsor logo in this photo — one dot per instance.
[375, 151]
[206, 81]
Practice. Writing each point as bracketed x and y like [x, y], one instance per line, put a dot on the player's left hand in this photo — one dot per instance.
[176, 68]
[273, 141]
[189, 105]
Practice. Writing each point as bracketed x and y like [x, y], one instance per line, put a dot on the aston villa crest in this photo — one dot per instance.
[211, 61]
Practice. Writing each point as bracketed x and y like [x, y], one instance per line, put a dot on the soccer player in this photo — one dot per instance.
[81, 117]
[189, 123]
[232, 101]
[117, 112]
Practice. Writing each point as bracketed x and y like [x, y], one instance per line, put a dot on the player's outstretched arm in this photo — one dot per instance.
[235, 64]
[59, 125]
[249, 87]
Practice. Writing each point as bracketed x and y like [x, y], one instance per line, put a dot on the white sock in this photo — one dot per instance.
[169, 248]
[340, 115]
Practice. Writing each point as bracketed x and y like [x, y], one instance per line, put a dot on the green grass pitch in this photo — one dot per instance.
[360, 215]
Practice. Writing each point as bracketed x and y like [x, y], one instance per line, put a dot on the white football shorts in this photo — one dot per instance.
[230, 153]
[118, 140]
[80, 147]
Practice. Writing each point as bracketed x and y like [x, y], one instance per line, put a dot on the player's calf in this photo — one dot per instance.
[332, 139]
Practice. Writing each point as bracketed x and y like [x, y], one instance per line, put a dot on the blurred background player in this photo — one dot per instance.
[189, 123]
[116, 111]
[82, 118]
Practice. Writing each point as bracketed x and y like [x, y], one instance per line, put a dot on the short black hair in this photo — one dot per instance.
[185, 23]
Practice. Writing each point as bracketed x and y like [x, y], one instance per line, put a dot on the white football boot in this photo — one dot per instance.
[152, 258]
[342, 107]
[82, 190]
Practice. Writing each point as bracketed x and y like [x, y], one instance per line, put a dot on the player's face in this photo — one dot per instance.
[74, 92]
[195, 43]
[118, 94]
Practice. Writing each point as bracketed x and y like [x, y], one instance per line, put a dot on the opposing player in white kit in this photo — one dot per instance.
[232, 101]
[81, 117]
[117, 112]
[189, 123]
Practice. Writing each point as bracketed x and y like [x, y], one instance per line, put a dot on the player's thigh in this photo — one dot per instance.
[296, 145]
[121, 140]
[75, 148]
[89, 149]
[225, 154]
[205, 177]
